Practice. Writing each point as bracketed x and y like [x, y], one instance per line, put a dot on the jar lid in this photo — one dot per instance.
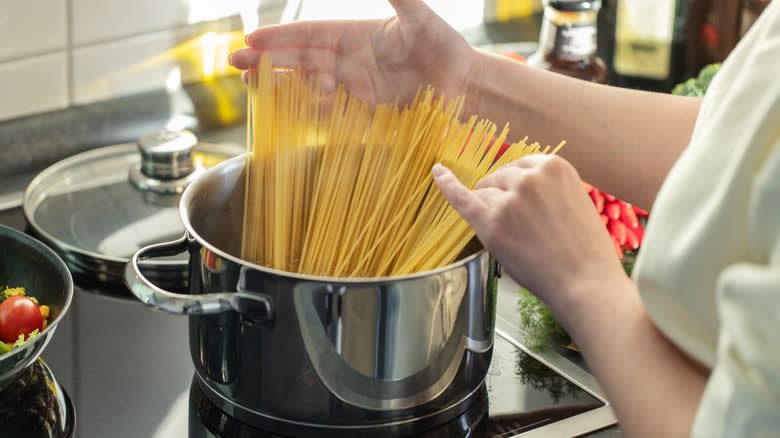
[575, 5]
[99, 207]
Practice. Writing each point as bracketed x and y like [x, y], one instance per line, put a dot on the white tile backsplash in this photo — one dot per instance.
[33, 85]
[30, 27]
[152, 61]
[57, 53]
[100, 20]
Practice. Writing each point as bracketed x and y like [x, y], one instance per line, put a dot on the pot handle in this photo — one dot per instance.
[254, 306]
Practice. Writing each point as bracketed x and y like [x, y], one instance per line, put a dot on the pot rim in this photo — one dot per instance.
[191, 192]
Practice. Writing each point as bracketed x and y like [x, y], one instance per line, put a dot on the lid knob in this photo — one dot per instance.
[167, 165]
[167, 154]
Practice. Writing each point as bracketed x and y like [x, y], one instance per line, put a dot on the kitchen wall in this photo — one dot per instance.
[60, 53]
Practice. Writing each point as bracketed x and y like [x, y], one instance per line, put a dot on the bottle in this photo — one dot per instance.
[568, 40]
[715, 27]
[644, 43]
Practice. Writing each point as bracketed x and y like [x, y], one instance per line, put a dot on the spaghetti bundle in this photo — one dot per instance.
[338, 188]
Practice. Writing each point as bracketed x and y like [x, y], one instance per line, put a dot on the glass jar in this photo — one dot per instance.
[568, 40]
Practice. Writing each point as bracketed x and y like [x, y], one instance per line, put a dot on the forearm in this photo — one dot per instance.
[623, 141]
[654, 388]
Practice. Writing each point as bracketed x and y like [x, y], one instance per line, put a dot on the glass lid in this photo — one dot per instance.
[99, 207]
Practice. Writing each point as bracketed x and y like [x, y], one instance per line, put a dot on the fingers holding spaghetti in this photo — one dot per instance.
[464, 201]
[511, 175]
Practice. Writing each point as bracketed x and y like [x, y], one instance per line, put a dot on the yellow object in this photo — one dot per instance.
[338, 188]
[509, 9]
[644, 33]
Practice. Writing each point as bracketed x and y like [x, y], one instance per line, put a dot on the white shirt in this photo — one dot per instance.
[709, 268]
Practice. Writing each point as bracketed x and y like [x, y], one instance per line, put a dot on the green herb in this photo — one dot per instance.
[10, 291]
[540, 324]
[697, 86]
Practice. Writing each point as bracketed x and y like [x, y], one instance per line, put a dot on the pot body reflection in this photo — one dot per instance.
[317, 351]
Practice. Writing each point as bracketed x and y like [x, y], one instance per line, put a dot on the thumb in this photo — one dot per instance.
[411, 11]
[470, 206]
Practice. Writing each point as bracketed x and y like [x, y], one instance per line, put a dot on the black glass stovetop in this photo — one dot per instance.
[125, 371]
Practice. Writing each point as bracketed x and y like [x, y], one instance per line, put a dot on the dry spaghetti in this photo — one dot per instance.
[338, 188]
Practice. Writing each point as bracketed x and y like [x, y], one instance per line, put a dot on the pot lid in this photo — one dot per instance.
[99, 207]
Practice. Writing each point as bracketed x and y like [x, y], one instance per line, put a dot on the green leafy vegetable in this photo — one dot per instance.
[697, 86]
[540, 324]
[537, 319]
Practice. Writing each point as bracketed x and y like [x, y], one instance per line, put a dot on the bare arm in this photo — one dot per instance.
[623, 141]
[537, 221]
[654, 388]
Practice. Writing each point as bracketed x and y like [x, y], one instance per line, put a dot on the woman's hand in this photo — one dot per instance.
[537, 221]
[377, 60]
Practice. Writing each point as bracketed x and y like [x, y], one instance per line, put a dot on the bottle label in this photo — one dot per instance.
[573, 42]
[644, 32]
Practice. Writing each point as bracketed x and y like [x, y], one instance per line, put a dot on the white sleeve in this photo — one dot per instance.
[742, 397]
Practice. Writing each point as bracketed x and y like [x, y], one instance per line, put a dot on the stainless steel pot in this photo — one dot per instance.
[286, 351]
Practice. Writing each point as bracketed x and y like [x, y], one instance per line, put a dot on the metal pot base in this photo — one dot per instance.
[215, 411]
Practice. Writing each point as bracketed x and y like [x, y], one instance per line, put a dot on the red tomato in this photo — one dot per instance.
[639, 211]
[598, 200]
[613, 210]
[618, 230]
[628, 215]
[18, 314]
[632, 241]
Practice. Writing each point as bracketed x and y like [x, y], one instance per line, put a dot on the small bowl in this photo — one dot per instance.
[26, 262]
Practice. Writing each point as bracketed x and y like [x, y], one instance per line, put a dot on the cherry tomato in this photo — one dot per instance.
[598, 200]
[628, 215]
[639, 212]
[632, 241]
[613, 210]
[618, 230]
[18, 315]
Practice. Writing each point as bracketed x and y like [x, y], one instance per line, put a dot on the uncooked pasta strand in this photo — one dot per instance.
[335, 187]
